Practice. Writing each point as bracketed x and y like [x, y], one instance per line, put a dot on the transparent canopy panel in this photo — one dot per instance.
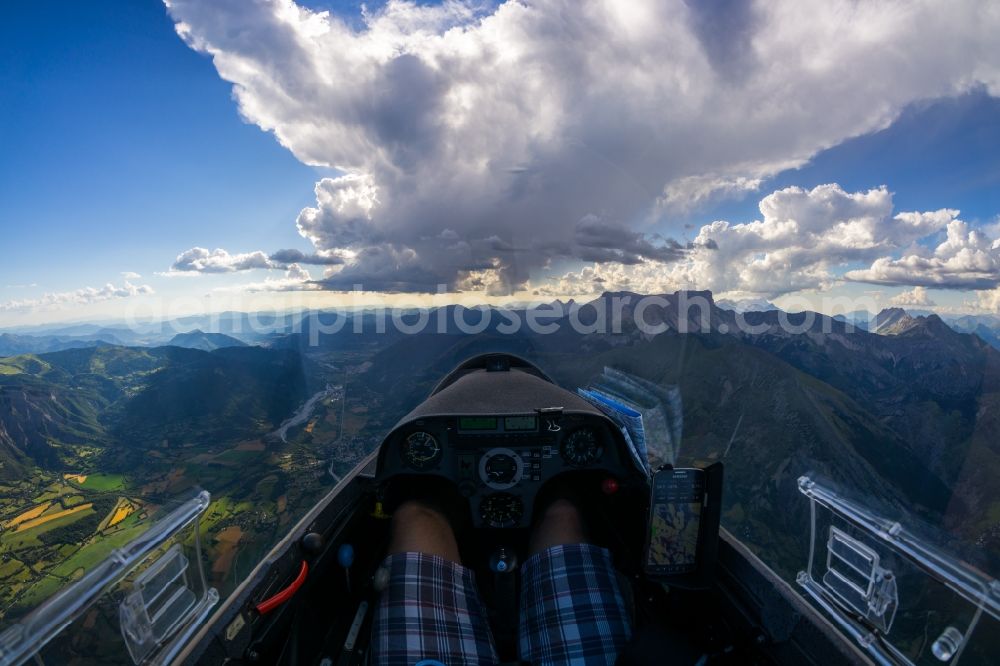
[687, 400]
[138, 602]
[893, 585]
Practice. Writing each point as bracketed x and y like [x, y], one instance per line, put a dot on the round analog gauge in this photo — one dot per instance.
[501, 510]
[581, 448]
[500, 469]
[420, 450]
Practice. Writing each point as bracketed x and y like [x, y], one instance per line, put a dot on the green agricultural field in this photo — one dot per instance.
[95, 551]
[71, 500]
[9, 568]
[15, 541]
[19, 539]
[265, 487]
[104, 482]
[55, 491]
[82, 560]
[236, 456]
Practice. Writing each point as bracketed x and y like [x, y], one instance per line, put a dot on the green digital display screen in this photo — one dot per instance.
[477, 423]
[514, 423]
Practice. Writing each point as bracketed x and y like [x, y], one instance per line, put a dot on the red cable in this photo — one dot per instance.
[271, 603]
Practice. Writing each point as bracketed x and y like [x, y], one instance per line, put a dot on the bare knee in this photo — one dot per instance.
[560, 524]
[417, 527]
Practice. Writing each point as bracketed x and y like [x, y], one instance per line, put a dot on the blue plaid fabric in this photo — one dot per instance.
[572, 611]
[430, 610]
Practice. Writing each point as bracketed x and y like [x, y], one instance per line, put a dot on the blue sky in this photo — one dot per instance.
[123, 147]
[938, 153]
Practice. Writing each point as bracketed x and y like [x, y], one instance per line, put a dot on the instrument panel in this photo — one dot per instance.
[499, 462]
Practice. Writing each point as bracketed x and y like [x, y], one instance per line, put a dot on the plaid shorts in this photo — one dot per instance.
[572, 611]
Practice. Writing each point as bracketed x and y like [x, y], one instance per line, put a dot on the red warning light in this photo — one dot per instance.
[609, 486]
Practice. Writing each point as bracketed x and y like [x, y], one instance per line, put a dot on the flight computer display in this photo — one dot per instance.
[483, 424]
[487, 423]
[520, 423]
[675, 517]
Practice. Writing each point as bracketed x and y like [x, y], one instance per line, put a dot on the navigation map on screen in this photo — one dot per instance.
[673, 541]
[674, 521]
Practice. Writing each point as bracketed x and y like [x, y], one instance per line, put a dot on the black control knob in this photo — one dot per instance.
[312, 543]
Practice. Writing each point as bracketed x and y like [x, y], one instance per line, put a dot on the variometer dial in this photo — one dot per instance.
[581, 448]
[500, 468]
[420, 450]
[501, 510]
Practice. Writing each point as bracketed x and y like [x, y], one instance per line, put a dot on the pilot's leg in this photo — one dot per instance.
[430, 609]
[572, 609]
[419, 528]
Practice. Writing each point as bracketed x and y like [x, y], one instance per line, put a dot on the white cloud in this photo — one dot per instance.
[804, 240]
[597, 278]
[523, 120]
[342, 216]
[914, 297]
[296, 272]
[85, 296]
[686, 194]
[988, 300]
[296, 278]
[198, 260]
[129, 275]
[967, 259]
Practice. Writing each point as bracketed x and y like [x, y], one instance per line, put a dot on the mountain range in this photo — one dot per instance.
[121, 401]
[274, 328]
[903, 416]
[197, 339]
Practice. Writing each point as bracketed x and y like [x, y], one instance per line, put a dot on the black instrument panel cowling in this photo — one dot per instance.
[501, 472]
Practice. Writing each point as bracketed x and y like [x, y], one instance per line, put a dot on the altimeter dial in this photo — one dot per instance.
[501, 510]
[420, 450]
[581, 448]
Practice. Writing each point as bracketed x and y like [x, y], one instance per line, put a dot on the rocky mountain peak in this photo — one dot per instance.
[892, 321]
[896, 321]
